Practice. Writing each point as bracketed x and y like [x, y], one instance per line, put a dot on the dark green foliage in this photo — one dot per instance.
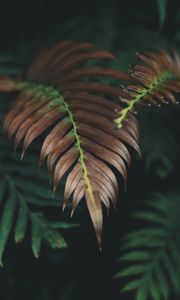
[16, 214]
[37, 193]
[151, 253]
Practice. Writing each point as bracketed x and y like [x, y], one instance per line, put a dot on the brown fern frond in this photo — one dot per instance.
[82, 137]
[154, 83]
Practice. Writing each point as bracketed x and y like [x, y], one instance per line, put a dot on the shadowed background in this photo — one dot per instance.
[124, 27]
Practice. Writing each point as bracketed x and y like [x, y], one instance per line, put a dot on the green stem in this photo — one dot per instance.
[56, 95]
[81, 154]
[141, 95]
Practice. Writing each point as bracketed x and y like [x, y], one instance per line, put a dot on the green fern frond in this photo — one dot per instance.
[152, 254]
[16, 216]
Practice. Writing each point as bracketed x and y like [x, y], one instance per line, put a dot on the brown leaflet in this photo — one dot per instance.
[104, 169]
[134, 89]
[105, 200]
[78, 195]
[104, 154]
[102, 122]
[61, 146]
[149, 59]
[101, 176]
[37, 64]
[168, 95]
[50, 60]
[40, 126]
[132, 130]
[97, 88]
[141, 79]
[144, 70]
[106, 140]
[77, 74]
[32, 119]
[72, 181]
[54, 136]
[23, 98]
[38, 108]
[132, 123]
[77, 59]
[83, 97]
[36, 70]
[66, 56]
[89, 107]
[159, 96]
[100, 189]
[103, 182]
[174, 86]
[96, 214]
[140, 75]
[64, 164]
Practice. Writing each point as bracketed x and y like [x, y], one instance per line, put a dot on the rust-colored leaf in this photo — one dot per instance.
[82, 139]
[155, 82]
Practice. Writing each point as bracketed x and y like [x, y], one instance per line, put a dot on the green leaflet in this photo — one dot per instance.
[37, 235]
[17, 217]
[22, 220]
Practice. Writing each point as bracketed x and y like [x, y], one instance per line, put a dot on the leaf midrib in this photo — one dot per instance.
[58, 97]
[141, 94]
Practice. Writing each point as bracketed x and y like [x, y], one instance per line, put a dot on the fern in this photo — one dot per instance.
[152, 254]
[83, 138]
[15, 214]
[155, 83]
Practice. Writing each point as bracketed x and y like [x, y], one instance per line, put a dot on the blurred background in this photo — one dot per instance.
[124, 27]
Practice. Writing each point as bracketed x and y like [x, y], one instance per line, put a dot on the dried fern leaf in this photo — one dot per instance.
[79, 114]
[155, 82]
